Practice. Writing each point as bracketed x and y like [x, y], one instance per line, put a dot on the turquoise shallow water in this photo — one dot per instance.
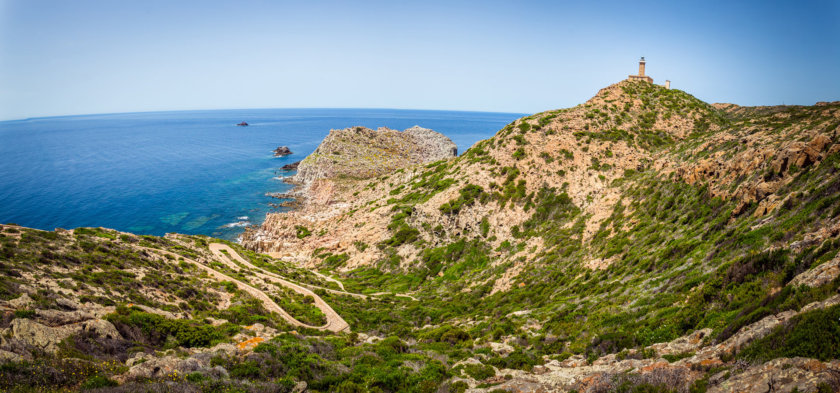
[191, 172]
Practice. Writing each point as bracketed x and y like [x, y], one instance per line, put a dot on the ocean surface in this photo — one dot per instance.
[191, 172]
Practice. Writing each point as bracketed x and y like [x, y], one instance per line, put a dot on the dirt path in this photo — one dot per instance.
[334, 321]
[394, 294]
[328, 278]
[216, 248]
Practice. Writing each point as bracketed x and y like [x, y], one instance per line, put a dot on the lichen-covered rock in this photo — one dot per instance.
[58, 318]
[781, 375]
[819, 275]
[23, 301]
[162, 367]
[47, 338]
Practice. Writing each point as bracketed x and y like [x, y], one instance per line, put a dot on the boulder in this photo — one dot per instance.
[161, 367]
[6, 356]
[58, 318]
[47, 338]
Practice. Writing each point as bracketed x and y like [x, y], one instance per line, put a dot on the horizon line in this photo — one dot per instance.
[259, 108]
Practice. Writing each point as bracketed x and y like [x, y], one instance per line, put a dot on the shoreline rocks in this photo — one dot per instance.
[290, 167]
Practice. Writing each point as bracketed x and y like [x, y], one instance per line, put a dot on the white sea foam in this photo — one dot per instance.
[237, 224]
[242, 218]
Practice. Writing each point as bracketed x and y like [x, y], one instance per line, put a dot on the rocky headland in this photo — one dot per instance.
[362, 153]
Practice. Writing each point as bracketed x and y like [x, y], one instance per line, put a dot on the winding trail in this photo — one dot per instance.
[223, 254]
[216, 249]
[330, 279]
[334, 321]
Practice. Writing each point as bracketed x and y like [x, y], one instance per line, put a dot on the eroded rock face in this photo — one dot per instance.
[360, 152]
[778, 163]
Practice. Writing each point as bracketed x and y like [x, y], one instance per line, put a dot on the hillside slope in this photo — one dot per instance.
[637, 217]
[644, 241]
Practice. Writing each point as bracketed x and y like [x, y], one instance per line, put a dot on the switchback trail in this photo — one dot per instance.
[216, 249]
[334, 322]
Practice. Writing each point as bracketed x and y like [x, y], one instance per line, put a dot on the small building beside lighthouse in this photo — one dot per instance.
[641, 76]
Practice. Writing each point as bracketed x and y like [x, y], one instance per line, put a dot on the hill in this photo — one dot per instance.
[641, 241]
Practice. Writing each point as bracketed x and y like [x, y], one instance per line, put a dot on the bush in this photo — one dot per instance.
[458, 387]
[155, 329]
[519, 359]
[246, 370]
[24, 313]
[469, 194]
[479, 371]
[814, 334]
[302, 231]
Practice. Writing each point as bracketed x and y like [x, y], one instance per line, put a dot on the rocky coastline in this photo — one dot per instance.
[348, 155]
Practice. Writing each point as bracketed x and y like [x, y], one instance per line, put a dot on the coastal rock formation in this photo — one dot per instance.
[290, 167]
[282, 151]
[342, 159]
[359, 153]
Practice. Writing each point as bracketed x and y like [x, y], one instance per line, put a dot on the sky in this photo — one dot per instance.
[82, 57]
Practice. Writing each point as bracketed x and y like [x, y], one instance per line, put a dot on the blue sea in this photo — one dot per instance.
[191, 172]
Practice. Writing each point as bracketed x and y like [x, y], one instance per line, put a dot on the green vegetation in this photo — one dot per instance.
[155, 330]
[469, 195]
[814, 334]
[302, 231]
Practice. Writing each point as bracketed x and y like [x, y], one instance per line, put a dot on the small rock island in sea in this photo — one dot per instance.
[282, 151]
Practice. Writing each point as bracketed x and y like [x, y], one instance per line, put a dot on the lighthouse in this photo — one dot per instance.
[641, 76]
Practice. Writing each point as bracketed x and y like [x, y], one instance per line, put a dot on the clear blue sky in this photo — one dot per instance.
[75, 57]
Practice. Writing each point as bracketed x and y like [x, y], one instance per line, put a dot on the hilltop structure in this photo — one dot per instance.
[641, 76]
